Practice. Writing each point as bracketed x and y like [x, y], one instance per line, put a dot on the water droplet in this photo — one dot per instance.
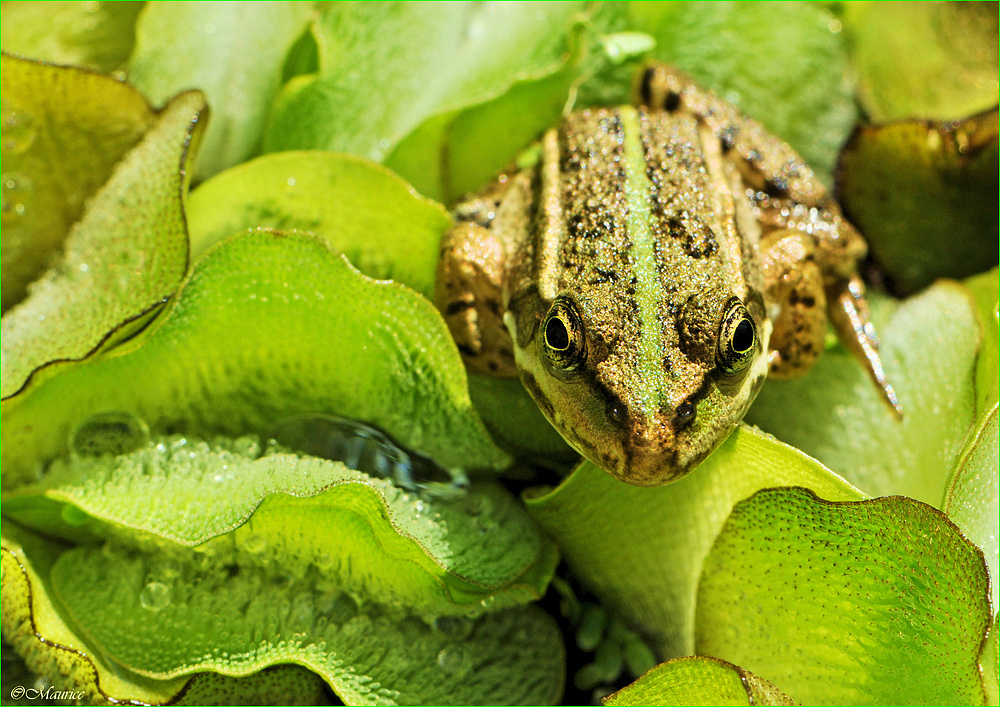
[72, 515]
[155, 596]
[18, 191]
[453, 659]
[255, 544]
[247, 446]
[456, 627]
[477, 505]
[18, 129]
[109, 433]
[291, 181]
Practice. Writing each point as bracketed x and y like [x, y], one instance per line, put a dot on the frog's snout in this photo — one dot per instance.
[651, 456]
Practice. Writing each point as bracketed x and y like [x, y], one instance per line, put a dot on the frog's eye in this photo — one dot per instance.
[562, 337]
[737, 338]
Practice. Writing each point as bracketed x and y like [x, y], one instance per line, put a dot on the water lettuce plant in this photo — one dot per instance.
[242, 461]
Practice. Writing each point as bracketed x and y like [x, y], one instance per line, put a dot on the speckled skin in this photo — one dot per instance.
[649, 234]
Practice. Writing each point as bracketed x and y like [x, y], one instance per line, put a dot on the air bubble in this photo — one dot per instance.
[453, 659]
[247, 446]
[255, 544]
[111, 433]
[155, 596]
[18, 129]
[324, 562]
[16, 196]
[455, 627]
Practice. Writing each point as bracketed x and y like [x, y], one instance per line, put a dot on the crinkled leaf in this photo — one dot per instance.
[972, 497]
[435, 556]
[127, 253]
[640, 549]
[209, 616]
[988, 666]
[877, 602]
[386, 68]
[905, 184]
[94, 35]
[699, 680]
[851, 430]
[64, 130]
[781, 63]
[232, 51]
[266, 326]
[358, 207]
[36, 629]
[50, 646]
[924, 60]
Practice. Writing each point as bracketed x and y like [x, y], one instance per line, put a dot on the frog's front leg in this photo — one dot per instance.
[469, 294]
[797, 300]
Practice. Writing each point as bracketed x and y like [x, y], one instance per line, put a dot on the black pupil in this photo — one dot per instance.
[743, 336]
[685, 411]
[556, 335]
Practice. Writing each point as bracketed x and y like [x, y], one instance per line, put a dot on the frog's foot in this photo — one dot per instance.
[794, 287]
[469, 295]
[849, 316]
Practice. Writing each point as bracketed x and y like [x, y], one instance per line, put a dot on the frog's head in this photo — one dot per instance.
[646, 404]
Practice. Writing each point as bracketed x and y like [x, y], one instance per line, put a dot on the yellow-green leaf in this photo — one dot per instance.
[64, 130]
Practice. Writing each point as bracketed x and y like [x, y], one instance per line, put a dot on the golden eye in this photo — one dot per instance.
[737, 338]
[563, 340]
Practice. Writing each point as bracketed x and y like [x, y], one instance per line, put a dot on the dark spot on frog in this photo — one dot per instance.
[458, 306]
[728, 137]
[695, 235]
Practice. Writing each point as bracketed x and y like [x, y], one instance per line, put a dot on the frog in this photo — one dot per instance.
[646, 268]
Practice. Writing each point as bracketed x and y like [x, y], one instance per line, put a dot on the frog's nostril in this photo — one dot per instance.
[685, 413]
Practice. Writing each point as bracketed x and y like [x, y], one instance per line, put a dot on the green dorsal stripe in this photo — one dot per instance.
[649, 291]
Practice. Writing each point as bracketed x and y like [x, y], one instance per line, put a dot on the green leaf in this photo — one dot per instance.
[515, 421]
[125, 256]
[942, 66]
[972, 496]
[455, 153]
[389, 69]
[93, 35]
[238, 620]
[63, 132]
[234, 52]
[266, 326]
[906, 183]
[878, 602]
[983, 289]
[640, 549]
[988, 666]
[37, 630]
[835, 415]
[698, 680]
[782, 64]
[358, 207]
[464, 556]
